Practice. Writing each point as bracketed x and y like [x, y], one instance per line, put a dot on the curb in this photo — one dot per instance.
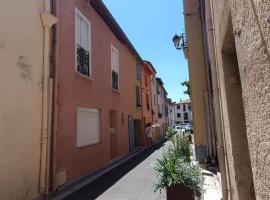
[76, 185]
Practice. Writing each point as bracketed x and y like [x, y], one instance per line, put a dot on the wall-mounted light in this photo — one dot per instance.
[179, 41]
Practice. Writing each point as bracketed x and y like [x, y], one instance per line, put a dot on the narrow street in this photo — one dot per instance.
[132, 180]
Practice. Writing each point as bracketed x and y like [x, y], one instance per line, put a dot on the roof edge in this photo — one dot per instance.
[107, 17]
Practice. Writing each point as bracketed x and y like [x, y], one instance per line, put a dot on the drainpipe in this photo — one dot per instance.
[48, 20]
[216, 94]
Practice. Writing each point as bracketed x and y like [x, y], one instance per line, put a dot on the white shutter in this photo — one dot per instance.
[84, 35]
[78, 29]
[88, 126]
[115, 59]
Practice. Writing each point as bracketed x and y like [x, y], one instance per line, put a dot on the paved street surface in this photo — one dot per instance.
[133, 180]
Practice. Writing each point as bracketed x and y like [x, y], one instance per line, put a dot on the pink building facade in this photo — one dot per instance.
[97, 93]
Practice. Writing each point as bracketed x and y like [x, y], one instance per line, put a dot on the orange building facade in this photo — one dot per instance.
[147, 74]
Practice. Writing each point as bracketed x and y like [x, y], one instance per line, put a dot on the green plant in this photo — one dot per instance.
[187, 85]
[174, 167]
[180, 146]
[170, 133]
[172, 171]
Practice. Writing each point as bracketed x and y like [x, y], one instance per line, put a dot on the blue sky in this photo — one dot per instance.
[150, 26]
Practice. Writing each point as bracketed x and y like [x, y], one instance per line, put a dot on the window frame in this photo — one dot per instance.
[82, 16]
[84, 108]
[115, 49]
[138, 104]
[138, 71]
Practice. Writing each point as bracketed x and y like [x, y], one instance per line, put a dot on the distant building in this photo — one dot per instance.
[162, 120]
[171, 112]
[183, 112]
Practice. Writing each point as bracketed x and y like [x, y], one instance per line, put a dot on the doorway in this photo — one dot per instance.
[139, 137]
[113, 135]
[235, 123]
[131, 133]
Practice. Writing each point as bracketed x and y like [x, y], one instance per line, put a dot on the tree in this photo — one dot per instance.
[186, 84]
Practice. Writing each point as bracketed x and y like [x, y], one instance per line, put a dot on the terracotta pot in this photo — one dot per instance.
[179, 192]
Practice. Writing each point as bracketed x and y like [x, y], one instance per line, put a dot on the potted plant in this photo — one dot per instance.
[181, 178]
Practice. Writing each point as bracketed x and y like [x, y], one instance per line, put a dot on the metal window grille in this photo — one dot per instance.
[138, 96]
[83, 61]
[115, 80]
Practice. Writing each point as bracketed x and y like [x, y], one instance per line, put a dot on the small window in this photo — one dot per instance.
[123, 118]
[138, 71]
[185, 116]
[178, 107]
[115, 68]
[146, 80]
[88, 126]
[184, 107]
[83, 44]
[138, 96]
[178, 115]
[147, 102]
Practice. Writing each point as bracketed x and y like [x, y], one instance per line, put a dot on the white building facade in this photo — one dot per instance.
[183, 112]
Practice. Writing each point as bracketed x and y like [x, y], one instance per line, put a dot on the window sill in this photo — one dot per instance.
[138, 107]
[116, 91]
[89, 78]
[89, 145]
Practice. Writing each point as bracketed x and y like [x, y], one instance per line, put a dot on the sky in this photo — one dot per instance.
[150, 26]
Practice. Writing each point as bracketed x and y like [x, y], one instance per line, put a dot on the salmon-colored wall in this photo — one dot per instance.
[73, 90]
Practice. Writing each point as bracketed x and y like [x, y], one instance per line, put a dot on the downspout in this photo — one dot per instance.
[48, 20]
[221, 149]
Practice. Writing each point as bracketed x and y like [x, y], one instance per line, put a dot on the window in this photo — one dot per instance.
[138, 96]
[146, 80]
[115, 68]
[185, 116]
[178, 107]
[123, 119]
[88, 126]
[147, 102]
[184, 107]
[178, 115]
[138, 71]
[83, 50]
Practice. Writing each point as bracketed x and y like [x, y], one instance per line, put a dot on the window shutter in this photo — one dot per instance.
[138, 71]
[115, 68]
[88, 126]
[115, 60]
[84, 35]
[82, 32]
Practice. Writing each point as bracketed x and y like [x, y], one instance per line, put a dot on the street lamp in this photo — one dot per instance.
[179, 41]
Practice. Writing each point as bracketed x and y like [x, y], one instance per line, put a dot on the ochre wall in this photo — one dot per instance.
[74, 90]
[21, 51]
[197, 74]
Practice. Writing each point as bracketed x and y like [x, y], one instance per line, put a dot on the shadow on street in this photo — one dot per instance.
[101, 184]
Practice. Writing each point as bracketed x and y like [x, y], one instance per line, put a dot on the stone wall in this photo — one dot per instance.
[251, 34]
